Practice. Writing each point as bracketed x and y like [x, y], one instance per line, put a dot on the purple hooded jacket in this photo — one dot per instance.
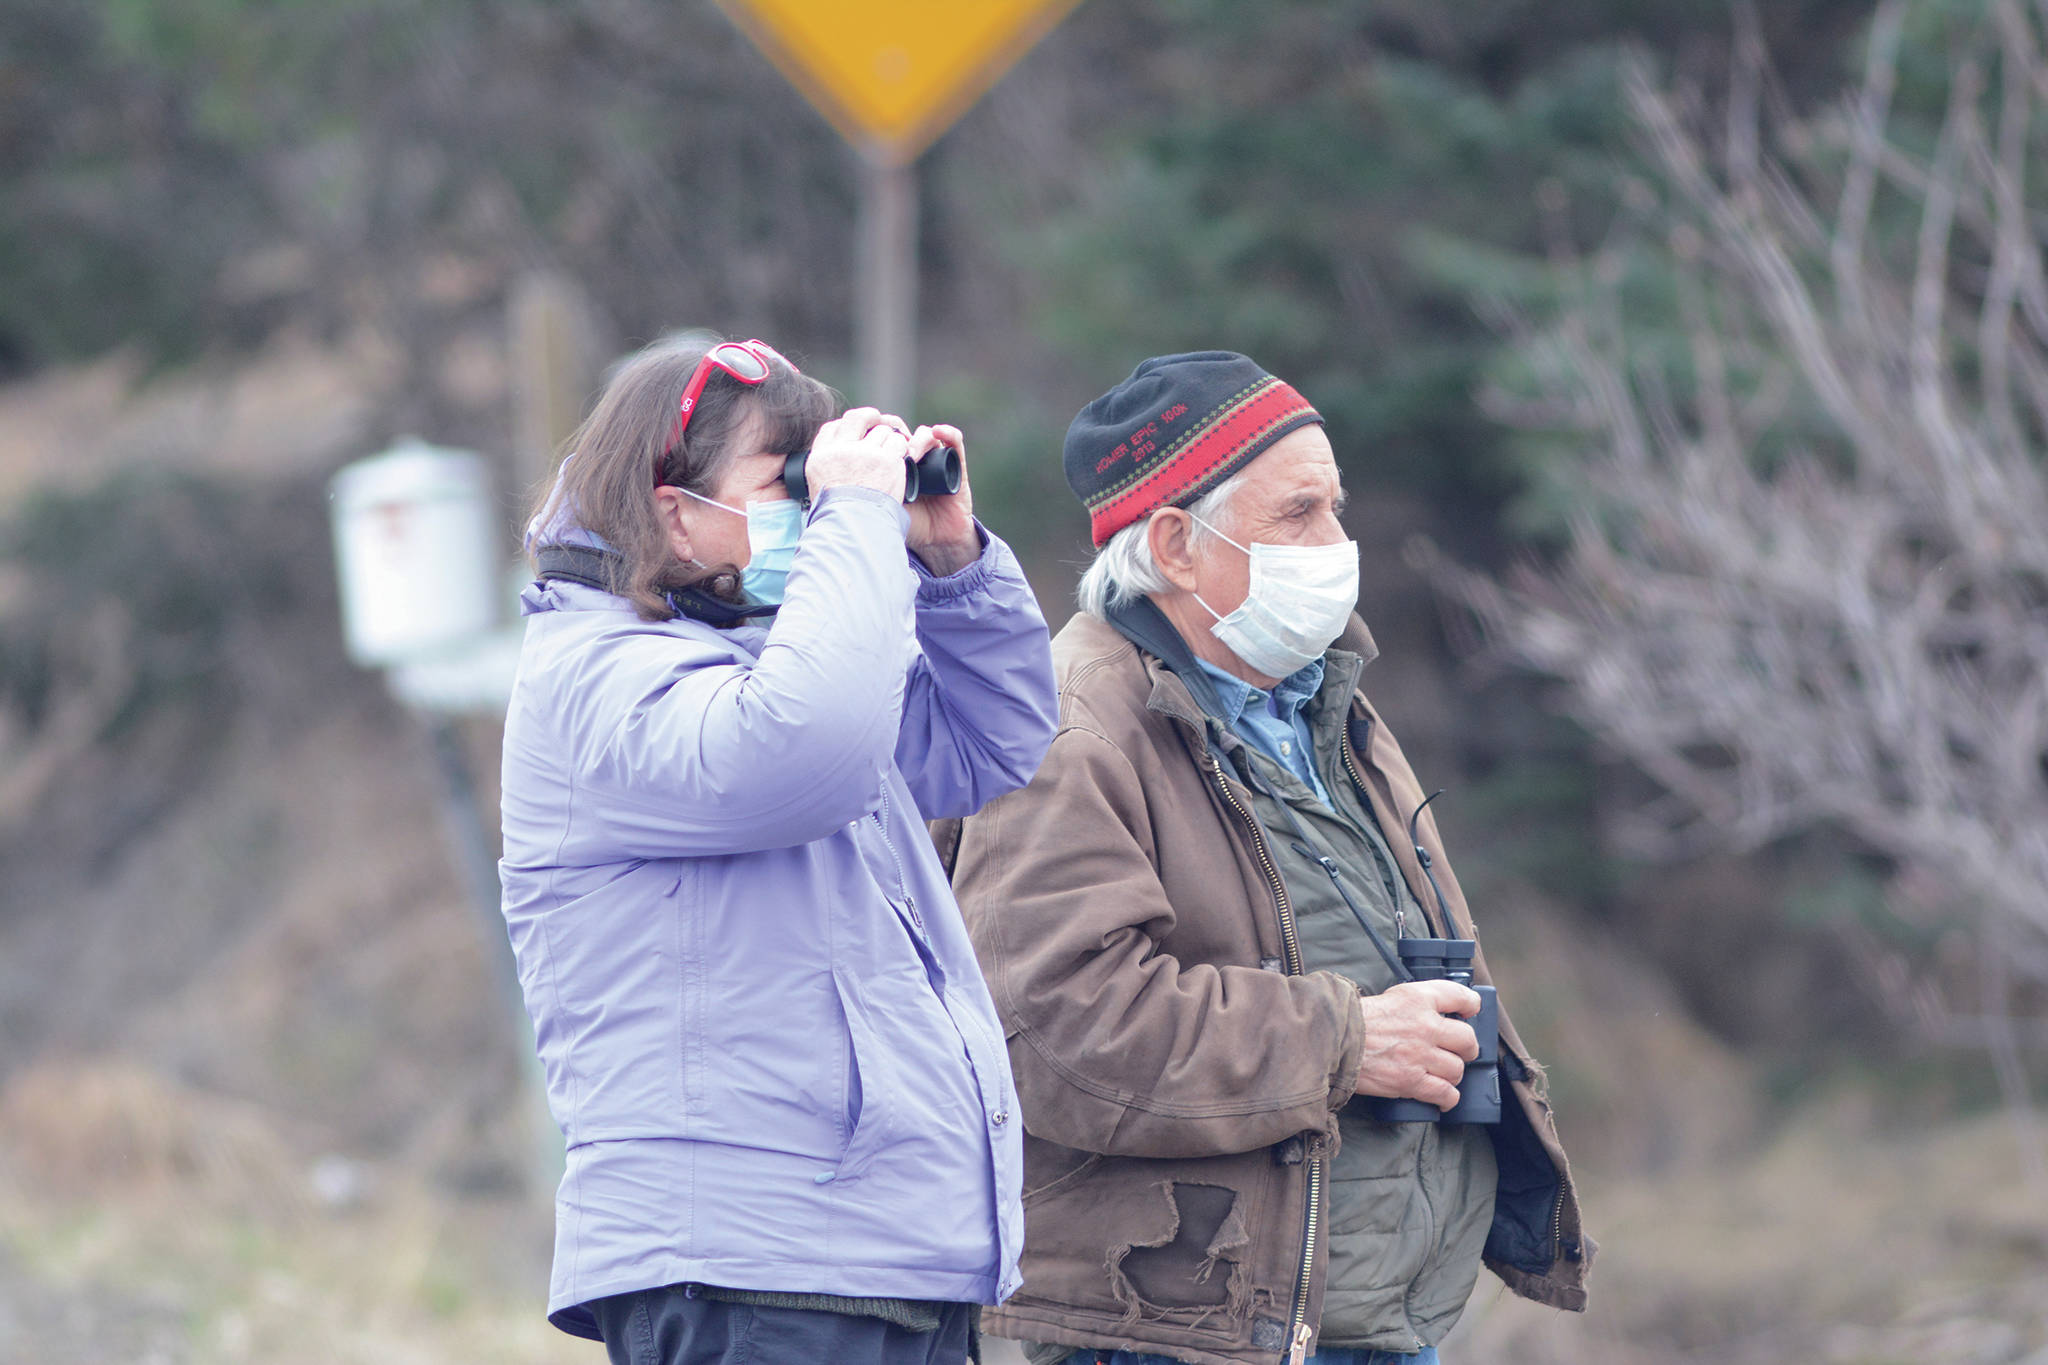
[765, 1035]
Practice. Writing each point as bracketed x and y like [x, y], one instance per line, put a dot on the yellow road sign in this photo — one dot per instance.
[892, 75]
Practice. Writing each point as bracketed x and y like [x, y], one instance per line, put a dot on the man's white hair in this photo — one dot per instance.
[1124, 569]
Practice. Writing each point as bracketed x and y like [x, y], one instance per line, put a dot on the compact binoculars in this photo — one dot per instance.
[934, 473]
[1450, 959]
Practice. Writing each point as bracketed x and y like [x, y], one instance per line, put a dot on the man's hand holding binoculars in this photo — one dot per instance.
[1411, 1050]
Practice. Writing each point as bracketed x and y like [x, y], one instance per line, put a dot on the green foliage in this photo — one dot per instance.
[1294, 230]
[98, 175]
[1007, 455]
[1642, 268]
[1330, 187]
[1539, 815]
[1831, 889]
[265, 67]
[153, 145]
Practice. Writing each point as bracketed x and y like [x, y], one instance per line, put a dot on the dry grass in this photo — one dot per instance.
[187, 1225]
[300, 406]
[83, 1129]
[1837, 1243]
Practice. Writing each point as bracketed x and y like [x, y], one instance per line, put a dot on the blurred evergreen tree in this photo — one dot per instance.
[1293, 179]
[1802, 426]
[101, 175]
[189, 174]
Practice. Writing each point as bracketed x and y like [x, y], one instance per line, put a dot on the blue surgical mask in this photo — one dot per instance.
[772, 531]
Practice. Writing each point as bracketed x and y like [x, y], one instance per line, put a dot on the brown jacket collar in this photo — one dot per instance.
[1179, 687]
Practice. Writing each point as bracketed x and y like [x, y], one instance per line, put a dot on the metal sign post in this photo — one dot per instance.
[885, 295]
[892, 75]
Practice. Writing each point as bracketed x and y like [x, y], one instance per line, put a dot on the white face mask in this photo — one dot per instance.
[1301, 598]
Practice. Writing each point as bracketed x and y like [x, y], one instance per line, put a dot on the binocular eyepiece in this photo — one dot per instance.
[932, 474]
[1450, 959]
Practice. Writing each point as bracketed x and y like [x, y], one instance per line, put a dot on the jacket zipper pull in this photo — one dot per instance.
[1299, 1351]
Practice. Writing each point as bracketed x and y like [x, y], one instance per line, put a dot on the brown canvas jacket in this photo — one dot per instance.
[1179, 1076]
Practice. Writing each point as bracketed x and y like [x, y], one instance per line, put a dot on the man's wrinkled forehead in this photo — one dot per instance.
[1299, 468]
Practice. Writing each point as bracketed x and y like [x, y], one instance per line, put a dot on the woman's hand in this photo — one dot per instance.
[860, 448]
[942, 532]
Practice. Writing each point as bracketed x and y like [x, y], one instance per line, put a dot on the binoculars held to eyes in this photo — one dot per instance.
[1450, 959]
[932, 474]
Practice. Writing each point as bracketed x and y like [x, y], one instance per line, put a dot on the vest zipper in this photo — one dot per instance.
[1290, 942]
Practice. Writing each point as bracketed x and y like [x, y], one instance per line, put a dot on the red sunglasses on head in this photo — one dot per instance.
[746, 361]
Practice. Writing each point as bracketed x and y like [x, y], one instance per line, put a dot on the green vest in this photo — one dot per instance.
[1410, 1203]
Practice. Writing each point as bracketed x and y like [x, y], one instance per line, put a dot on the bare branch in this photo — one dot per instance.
[1859, 185]
[1809, 584]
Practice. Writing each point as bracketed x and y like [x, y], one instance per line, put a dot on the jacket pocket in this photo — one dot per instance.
[873, 1109]
[985, 1056]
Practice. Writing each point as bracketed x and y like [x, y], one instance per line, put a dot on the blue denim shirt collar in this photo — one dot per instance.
[1275, 723]
[1283, 703]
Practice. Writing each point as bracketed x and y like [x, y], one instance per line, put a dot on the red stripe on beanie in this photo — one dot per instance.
[1221, 445]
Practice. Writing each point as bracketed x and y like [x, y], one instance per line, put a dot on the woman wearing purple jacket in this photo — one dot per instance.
[791, 1129]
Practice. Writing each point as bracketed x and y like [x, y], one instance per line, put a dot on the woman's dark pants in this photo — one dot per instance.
[671, 1327]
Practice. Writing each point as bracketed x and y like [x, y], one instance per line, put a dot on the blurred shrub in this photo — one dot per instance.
[141, 617]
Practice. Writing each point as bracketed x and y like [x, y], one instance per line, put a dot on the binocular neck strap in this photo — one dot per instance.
[596, 569]
[1304, 845]
[576, 564]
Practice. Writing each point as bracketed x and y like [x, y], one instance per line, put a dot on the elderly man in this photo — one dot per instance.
[1186, 920]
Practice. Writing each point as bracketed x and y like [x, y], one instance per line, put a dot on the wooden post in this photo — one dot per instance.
[552, 335]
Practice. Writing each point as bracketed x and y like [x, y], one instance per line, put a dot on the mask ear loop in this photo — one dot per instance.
[1227, 541]
[1212, 530]
[698, 563]
[710, 502]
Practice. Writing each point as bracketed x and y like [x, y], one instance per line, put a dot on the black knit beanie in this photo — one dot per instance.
[1179, 426]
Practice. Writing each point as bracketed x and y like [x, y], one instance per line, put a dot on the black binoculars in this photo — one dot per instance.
[934, 473]
[1450, 959]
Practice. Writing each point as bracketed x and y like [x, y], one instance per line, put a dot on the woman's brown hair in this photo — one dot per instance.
[607, 486]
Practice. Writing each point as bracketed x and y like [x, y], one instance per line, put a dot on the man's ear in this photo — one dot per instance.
[668, 509]
[1169, 535]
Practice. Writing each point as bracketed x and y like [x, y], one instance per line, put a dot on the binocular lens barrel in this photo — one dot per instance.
[1438, 959]
[933, 474]
[936, 472]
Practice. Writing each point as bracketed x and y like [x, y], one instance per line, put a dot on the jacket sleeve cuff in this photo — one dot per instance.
[846, 495]
[1350, 1041]
[932, 588]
